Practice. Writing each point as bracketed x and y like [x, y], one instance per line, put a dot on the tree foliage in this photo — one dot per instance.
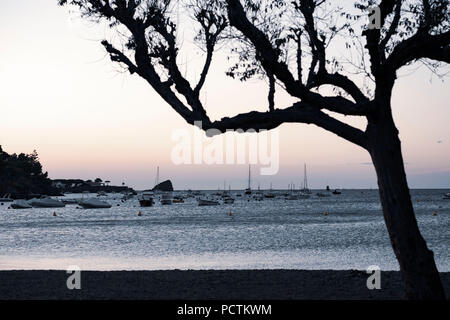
[22, 174]
[292, 44]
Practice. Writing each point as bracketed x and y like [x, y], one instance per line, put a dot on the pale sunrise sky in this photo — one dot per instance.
[60, 95]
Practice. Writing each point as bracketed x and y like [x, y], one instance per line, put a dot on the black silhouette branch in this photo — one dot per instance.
[299, 112]
[373, 37]
[212, 24]
[421, 45]
[153, 43]
[269, 58]
[392, 28]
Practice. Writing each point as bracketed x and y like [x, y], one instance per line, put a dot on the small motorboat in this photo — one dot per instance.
[447, 196]
[336, 191]
[323, 195]
[127, 196]
[94, 203]
[6, 198]
[205, 202]
[146, 200]
[291, 197]
[228, 200]
[46, 202]
[258, 197]
[166, 199]
[178, 200]
[20, 204]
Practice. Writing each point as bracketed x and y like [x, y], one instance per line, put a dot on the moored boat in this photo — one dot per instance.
[291, 197]
[166, 199]
[93, 203]
[323, 195]
[447, 196]
[228, 200]
[269, 194]
[146, 200]
[178, 200]
[46, 203]
[303, 195]
[20, 204]
[205, 202]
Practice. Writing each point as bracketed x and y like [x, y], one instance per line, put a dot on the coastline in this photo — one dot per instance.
[203, 285]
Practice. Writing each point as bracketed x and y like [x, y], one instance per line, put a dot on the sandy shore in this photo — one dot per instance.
[204, 284]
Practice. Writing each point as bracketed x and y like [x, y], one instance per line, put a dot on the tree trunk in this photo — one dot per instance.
[419, 273]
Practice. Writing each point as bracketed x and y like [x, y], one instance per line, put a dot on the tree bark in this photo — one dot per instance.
[419, 273]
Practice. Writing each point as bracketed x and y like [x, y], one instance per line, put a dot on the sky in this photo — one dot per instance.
[61, 95]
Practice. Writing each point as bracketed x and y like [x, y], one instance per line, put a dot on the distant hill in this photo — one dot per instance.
[21, 174]
[164, 186]
[78, 186]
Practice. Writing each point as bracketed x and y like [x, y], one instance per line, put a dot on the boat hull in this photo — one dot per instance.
[94, 204]
[202, 202]
[50, 203]
[21, 205]
[146, 203]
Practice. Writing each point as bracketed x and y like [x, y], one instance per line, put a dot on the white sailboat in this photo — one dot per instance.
[305, 189]
[270, 194]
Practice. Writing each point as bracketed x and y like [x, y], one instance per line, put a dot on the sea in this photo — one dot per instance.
[345, 231]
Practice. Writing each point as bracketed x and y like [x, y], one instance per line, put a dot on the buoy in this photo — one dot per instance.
[230, 213]
[435, 213]
[54, 214]
[325, 213]
[140, 214]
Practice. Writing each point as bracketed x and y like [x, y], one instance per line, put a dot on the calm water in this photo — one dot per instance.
[274, 233]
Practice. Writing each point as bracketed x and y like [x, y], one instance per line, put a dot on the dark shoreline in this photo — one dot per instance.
[203, 285]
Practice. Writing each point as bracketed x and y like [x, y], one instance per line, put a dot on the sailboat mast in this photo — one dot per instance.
[249, 176]
[157, 176]
[305, 182]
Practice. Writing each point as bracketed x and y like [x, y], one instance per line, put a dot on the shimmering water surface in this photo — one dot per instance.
[268, 234]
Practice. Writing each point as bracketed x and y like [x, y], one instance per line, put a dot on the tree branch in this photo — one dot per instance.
[299, 112]
[269, 58]
[421, 45]
[392, 28]
[118, 56]
[373, 37]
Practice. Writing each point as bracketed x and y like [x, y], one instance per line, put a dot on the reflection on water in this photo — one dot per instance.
[274, 233]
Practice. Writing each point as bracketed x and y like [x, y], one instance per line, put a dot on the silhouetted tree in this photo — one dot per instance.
[21, 174]
[288, 43]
